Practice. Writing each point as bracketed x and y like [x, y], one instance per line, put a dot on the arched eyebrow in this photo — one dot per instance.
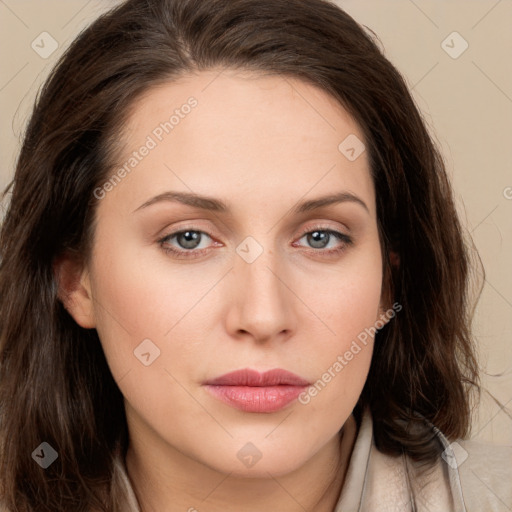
[217, 205]
[320, 202]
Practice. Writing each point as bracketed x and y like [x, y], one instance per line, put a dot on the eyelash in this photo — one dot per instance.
[197, 253]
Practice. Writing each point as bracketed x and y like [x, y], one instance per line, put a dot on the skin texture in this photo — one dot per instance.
[261, 145]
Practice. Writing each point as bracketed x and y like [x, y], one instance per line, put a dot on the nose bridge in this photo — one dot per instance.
[260, 297]
[258, 268]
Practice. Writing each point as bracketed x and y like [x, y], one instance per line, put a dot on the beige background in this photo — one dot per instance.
[466, 101]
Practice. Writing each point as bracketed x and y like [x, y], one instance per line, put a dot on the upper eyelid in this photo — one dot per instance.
[318, 225]
[195, 225]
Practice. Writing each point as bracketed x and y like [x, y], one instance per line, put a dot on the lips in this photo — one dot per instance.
[251, 391]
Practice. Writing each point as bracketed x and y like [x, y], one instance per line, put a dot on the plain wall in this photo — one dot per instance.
[466, 100]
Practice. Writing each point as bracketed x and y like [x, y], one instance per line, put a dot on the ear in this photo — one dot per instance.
[74, 289]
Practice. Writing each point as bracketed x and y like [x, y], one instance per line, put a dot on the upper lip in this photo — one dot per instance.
[248, 377]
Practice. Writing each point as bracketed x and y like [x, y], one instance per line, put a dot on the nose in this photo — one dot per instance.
[261, 305]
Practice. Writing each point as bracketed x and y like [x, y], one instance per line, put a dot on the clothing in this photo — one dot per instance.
[470, 477]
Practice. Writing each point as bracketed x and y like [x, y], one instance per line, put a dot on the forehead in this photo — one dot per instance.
[229, 133]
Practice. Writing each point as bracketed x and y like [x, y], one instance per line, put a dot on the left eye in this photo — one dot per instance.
[321, 237]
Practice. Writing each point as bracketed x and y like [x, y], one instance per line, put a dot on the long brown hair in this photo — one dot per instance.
[55, 385]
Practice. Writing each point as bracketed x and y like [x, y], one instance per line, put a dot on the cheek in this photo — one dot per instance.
[148, 291]
[347, 302]
[346, 298]
[141, 316]
[139, 296]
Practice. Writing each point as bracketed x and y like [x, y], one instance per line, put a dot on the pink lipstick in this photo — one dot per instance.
[251, 391]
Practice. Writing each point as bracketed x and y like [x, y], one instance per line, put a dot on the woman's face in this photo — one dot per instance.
[247, 287]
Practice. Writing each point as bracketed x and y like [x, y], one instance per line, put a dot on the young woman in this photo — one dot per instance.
[233, 277]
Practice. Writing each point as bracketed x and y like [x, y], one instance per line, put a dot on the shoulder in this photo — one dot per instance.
[476, 476]
[466, 476]
[485, 473]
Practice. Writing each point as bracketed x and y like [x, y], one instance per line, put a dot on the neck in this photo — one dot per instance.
[182, 484]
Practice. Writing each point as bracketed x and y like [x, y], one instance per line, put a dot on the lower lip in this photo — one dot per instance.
[256, 399]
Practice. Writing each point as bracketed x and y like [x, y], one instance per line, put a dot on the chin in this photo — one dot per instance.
[259, 460]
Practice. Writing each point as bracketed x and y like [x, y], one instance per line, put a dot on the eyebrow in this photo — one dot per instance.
[217, 205]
